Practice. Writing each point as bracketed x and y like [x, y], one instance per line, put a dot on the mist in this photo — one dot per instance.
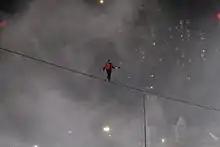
[45, 106]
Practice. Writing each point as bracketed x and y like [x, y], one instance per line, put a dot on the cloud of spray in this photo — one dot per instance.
[45, 106]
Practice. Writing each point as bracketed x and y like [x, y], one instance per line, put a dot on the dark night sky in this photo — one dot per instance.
[177, 8]
[191, 7]
[12, 6]
[7, 5]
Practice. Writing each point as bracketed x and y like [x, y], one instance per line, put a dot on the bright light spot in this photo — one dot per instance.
[35, 146]
[154, 43]
[101, 1]
[106, 129]
[69, 132]
[163, 140]
[152, 75]
[109, 135]
[150, 87]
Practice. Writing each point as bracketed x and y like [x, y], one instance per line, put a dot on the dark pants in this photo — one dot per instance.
[109, 73]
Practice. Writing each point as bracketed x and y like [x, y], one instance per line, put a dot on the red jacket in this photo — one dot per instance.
[108, 66]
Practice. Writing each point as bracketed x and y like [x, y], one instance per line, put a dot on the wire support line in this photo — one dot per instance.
[112, 82]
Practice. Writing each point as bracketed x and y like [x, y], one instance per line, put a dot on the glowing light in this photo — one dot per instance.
[101, 1]
[35, 146]
[154, 43]
[152, 75]
[218, 15]
[2, 24]
[106, 129]
[163, 140]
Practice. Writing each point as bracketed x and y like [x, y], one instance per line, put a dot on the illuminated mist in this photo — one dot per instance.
[44, 106]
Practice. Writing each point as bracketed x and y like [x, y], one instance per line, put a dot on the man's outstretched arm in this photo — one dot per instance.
[115, 67]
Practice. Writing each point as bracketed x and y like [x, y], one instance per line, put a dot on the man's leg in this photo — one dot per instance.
[109, 72]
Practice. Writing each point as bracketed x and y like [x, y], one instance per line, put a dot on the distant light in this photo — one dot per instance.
[154, 43]
[106, 129]
[35, 146]
[2, 24]
[218, 15]
[152, 75]
[69, 132]
[163, 140]
[101, 1]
